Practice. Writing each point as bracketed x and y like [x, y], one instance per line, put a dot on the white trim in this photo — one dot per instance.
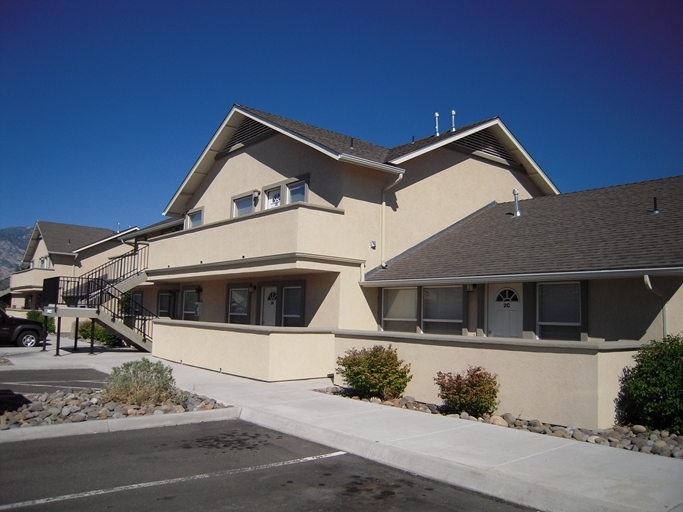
[114, 236]
[531, 168]
[370, 164]
[521, 278]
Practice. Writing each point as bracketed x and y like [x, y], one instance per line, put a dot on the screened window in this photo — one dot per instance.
[238, 306]
[559, 311]
[296, 192]
[399, 309]
[442, 310]
[243, 206]
[291, 306]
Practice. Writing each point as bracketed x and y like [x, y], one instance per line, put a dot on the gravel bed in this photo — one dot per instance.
[634, 437]
[75, 406]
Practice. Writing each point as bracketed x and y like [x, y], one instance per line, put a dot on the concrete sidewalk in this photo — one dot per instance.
[538, 471]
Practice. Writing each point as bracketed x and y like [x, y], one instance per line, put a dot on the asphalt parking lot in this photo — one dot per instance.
[228, 465]
[41, 381]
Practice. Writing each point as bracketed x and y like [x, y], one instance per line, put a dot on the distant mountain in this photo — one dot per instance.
[13, 243]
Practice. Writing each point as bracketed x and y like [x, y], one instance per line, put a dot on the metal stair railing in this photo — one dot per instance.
[119, 306]
[120, 268]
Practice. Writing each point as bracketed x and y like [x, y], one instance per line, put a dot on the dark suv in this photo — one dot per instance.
[23, 332]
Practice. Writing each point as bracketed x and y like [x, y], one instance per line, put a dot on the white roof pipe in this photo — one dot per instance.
[452, 120]
[436, 119]
[515, 193]
[649, 286]
[383, 220]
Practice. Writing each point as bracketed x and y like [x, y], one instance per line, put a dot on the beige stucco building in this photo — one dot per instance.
[287, 244]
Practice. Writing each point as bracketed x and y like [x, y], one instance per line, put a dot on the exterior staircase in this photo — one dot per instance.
[103, 295]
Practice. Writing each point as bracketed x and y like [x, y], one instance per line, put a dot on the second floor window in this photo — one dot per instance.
[242, 206]
[194, 219]
[44, 262]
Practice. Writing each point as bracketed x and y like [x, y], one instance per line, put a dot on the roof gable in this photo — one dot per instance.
[64, 238]
[243, 125]
[601, 230]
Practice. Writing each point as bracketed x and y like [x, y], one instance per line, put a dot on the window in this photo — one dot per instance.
[399, 309]
[296, 192]
[238, 305]
[45, 262]
[242, 206]
[136, 303]
[273, 198]
[165, 305]
[191, 305]
[559, 311]
[292, 306]
[442, 310]
[194, 219]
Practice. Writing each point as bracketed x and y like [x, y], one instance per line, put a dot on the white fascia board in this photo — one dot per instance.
[319, 147]
[525, 158]
[201, 166]
[521, 278]
[113, 237]
[444, 141]
[363, 162]
[32, 244]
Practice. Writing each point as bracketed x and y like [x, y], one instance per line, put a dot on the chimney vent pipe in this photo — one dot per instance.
[436, 118]
[515, 193]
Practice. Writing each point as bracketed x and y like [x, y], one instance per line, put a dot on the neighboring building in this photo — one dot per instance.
[56, 249]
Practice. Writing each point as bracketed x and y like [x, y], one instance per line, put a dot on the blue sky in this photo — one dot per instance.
[106, 105]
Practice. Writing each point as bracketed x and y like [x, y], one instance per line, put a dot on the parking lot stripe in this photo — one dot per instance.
[98, 492]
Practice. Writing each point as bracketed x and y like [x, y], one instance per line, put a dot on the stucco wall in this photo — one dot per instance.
[268, 354]
[452, 184]
[556, 382]
[623, 309]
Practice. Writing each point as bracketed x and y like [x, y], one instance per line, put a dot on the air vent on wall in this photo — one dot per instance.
[247, 130]
[485, 142]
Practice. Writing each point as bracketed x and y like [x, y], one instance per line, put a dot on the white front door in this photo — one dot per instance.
[268, 305]
[505, 311]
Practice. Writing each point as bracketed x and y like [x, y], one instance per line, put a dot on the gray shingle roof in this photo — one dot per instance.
[332, 140]
[342, 143]
[67, 238]
[609, 228]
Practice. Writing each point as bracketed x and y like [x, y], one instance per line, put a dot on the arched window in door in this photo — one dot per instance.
[507, 295]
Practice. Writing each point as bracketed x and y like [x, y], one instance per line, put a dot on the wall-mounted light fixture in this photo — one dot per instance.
[373, 244]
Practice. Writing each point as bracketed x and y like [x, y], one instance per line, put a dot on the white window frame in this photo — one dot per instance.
[285, 194]
[242, 197]
[192, 215]
[460, 320]
[540, 323]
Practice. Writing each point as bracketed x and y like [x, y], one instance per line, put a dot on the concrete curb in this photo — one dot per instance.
[118, 425]
[483, 481]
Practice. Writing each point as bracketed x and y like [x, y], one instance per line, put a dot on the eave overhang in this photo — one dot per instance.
[529, 277]
[108, 239]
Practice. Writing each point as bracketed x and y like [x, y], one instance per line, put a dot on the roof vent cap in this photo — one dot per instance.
[436, 119]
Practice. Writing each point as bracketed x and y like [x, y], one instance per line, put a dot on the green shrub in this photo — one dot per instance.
[475, 392]
[375, 371]
[142, 382]
[651, 392]
[102, 335]
[37, 315]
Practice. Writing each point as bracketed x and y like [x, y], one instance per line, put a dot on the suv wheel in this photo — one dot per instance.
[27, 339]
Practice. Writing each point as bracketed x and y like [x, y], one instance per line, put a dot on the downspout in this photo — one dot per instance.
[649, 286]
[383, 219]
